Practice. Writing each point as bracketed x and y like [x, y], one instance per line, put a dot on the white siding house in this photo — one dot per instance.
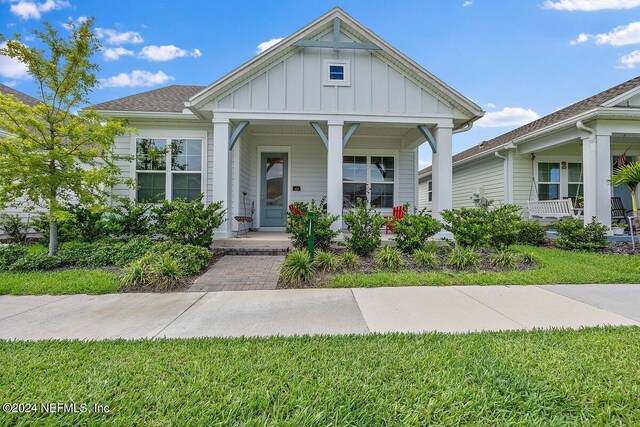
[331, 111]
[567, 154]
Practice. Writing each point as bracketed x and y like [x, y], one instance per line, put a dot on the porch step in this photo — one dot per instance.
[255, 251]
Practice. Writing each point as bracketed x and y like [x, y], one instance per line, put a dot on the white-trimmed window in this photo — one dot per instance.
[337, 72]
[370, 178]
[168, 168]
[430, 191]
[559, 179]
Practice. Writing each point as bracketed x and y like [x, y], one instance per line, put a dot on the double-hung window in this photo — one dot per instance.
[559, 180]
[168, 168]
[574, 178]
[370, 178]
[549, 181]
[430, 191]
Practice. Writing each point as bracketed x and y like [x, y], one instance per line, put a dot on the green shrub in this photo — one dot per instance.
[9, 254]
[484, 227]
[349, 261]
[133, 249]
[188, 222]
[297, 225]
[136, 274]
[434, 247]
[425, 258]
[529, 258]
[129, 218]
[166, 269]
[464, 258]
[14, 227]
[413, 230]
[66, 231]
[35, 262]
[504, 259]
[365, 225]
[85, 254]
[388, 258]
[297, 267]
[325, 261]
[191, 259]
[532, 233]
[574, 235]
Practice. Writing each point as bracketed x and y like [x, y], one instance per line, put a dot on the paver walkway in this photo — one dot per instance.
[240, 273]
[317, 311]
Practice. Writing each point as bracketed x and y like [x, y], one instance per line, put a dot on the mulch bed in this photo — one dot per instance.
[368, 266]
[621, 248]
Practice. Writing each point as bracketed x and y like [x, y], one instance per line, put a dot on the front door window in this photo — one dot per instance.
[273, 195]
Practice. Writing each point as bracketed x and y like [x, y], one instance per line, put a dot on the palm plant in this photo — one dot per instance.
[629, 176]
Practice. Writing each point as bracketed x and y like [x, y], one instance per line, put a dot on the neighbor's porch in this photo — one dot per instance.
[576, 165]
[274, 163]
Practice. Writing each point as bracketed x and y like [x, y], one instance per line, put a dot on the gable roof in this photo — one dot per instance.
[354, 29]
[29, 100]
[598, 100]
[169, 99]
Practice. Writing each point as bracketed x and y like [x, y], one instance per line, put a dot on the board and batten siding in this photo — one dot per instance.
[296, 83]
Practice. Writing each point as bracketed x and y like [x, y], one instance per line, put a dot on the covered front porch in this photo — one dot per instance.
[262, 165]
[576, 164]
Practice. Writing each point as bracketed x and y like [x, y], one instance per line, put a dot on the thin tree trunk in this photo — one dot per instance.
[634, 207]
[53, 238]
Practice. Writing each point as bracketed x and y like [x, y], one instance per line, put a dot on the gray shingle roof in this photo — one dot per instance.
[29, 100]
[169, 99]
[572, 110]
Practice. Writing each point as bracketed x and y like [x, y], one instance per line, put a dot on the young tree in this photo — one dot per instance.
[48, 154]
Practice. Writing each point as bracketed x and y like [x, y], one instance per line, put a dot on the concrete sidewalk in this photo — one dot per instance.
[317, 311]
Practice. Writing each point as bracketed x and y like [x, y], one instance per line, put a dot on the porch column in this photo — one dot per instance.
[596, 158]
[442, 172]
[221, 182]
[334, 172]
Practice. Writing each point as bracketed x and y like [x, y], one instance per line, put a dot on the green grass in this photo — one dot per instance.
[556, 266]
[554, 377]
[59, 282]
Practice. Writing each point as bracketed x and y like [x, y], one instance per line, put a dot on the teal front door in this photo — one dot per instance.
[273, 189]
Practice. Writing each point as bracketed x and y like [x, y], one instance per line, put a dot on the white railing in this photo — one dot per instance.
[551, 209]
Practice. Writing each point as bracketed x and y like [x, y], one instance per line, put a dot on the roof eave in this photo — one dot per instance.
[146, 114]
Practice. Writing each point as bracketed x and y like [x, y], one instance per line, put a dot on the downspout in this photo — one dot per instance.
[584, 128]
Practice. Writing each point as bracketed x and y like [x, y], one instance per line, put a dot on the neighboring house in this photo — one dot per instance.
[567, 154]
[332, 110]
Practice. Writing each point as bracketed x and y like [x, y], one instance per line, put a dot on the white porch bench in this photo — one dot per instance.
[556, 209]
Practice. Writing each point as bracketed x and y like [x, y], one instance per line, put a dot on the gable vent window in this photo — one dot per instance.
[336, 73]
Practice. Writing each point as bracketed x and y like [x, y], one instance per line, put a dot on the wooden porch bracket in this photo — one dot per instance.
[354, 127]
[336, 44]
[236, 133]
[320, 132]
[430, 138]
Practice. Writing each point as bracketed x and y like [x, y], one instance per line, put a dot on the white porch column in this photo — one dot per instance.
[442, 171]
[334, 172]
[221, 182]
[596, 158]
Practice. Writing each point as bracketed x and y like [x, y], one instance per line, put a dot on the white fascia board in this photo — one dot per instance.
[147, 115]
[618, 99]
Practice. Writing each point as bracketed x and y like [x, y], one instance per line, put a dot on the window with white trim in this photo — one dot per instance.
[168, 169]
[430, 191]
[560, 179]
[575, 189]
[337, 72]
[370, 178]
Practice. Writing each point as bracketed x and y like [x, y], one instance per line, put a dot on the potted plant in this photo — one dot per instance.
[617, 229]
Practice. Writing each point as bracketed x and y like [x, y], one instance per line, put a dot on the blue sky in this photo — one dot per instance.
[517, 59]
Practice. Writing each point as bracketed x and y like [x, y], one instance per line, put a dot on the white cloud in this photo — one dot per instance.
[582, 37]
[115, 37]
[467, 3]
[266, 45]
[619, 36]
[630, 60]
[166, 53]
[590, 5]
[136, 78]
[11, 68]
[423, 164]
[11, 83]
[27, 9]
[70, 22]
[508, 116]
[114, 53]
[490, 105]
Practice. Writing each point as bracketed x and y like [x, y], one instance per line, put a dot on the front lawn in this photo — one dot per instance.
[59, 282]
[553, 377]
[556, 266]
